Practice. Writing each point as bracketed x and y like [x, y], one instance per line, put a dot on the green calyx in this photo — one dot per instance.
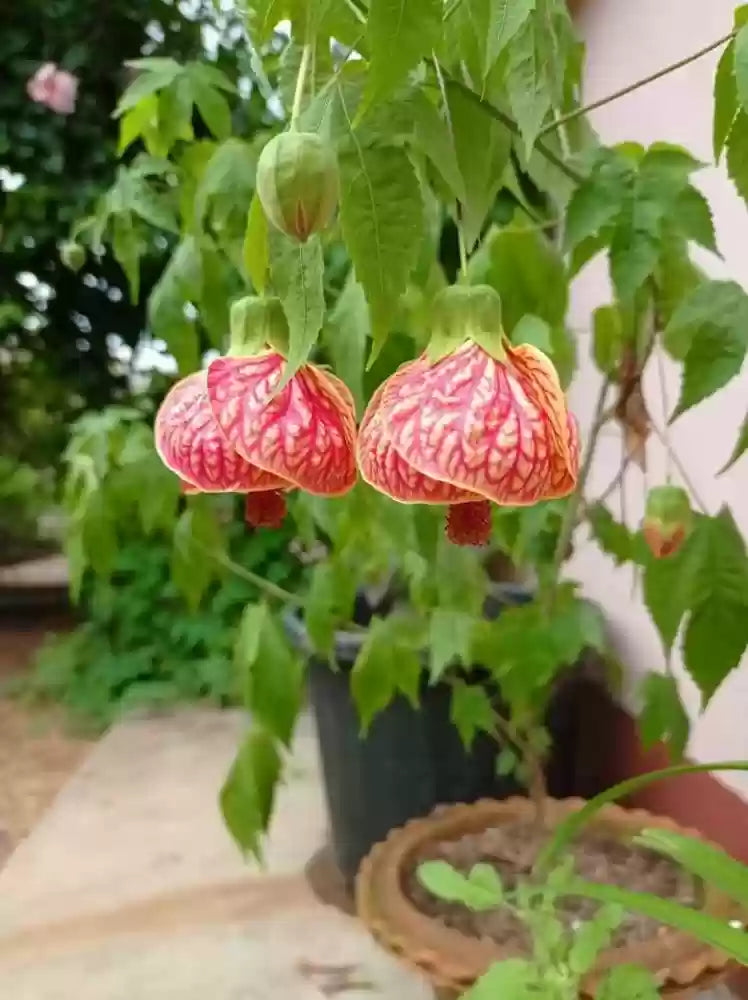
[298, 183]
[257, 324]
[465, 312]
[669, 508]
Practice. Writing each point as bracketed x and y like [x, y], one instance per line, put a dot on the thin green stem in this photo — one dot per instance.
[306, 54]
[450, 128]
[688, 482]
[268, 588]
[461, 244]
[356, 11]
[508, 122]
[665, 412]
[579, 112]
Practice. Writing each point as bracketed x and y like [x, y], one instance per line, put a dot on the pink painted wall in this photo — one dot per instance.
[627, 40]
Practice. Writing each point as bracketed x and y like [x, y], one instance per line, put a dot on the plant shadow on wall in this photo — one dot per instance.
[400, 412]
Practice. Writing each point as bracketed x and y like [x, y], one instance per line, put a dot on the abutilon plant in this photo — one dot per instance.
[472, 421]
[238, 428]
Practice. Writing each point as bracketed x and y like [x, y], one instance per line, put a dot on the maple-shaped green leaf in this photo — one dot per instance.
[180, 283]
[527, 83]
[151, 77]
[345, 335]
[255, 253]
[381, 214]
[249, 790]
[535, 331]
[481, 166]
[432, 135]
[575, 626]
[197, 545]
[669, 587]
[296, 271]
[228, 177]
[329, 603]
[598, 199]
[725, 99]
[128, 247]
[400, 33]
[485, 28]
[720, 304]
[614, 538]
[661, 179]
[737, 154]
[608, 338]
[709, 330]
[388, 664]
[507, 17]
[741, 446]
[663, 717]
[471, 712]
[272, 675]
[740, 65]
[714, 644]
[693, 217]
[715, 357]
[717, 632]
[220, 284]
[676, 276]
[449, 640]
[527, 271]
[264, 15]
[212, 106]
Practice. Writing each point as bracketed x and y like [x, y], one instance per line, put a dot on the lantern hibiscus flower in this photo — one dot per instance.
[473, 421]
[236, 428]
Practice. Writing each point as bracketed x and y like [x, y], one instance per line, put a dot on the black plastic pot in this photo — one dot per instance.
[410, 760]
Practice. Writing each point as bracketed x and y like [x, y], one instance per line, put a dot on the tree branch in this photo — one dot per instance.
[578, 112]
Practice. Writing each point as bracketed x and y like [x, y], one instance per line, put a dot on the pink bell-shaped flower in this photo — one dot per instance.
[232, 429]
[473, 421]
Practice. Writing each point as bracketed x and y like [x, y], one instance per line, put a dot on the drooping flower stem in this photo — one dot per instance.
[306, 55]
[450, 128]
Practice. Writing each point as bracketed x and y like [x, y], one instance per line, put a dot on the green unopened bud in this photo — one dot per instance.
[462, 312]
[668, 520]
[298, 183]
[256, 324]
[72, 255]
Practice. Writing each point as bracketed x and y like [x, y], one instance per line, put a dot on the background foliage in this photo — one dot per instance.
[538, 198]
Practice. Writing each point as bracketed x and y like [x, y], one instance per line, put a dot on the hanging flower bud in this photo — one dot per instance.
[72, 255]
[297, 183]
[472, 421]
[668, 520]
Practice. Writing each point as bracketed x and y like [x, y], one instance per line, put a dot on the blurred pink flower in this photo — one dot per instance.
[53, 87]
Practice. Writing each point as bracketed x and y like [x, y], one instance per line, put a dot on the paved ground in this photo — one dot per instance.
[37, 752]
[130, 888]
